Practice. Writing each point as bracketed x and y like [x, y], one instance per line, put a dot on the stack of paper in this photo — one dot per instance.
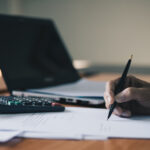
[76, 123]
[6, 135]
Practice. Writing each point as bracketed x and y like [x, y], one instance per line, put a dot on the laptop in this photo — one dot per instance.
[33, 56]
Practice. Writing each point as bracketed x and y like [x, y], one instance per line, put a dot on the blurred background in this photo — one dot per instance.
[98, 33]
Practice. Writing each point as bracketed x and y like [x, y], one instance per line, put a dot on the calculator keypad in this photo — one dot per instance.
[19, 104]
[25, 101]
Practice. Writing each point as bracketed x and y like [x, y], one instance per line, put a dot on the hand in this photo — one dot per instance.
[133, 100]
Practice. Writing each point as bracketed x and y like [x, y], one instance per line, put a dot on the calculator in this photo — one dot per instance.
[29, 104]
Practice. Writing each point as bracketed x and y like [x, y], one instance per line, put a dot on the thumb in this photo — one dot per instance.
[126, 95]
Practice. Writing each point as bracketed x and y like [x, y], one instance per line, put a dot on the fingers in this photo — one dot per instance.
[135, 82]
[132, 93]
[127, 94]
[122, 112]
[136, 90]
[109, 94]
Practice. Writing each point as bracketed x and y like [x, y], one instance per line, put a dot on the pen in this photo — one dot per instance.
[120, 86]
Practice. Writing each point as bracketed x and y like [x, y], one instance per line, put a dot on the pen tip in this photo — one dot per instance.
[108, 115]
[131, 57]
[107, 118]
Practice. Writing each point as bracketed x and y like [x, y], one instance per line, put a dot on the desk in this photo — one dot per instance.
[111, 144]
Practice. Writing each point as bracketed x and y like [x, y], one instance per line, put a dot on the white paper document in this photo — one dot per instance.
[51, 135]
[76, 123]
[6, 135]
[64, 136]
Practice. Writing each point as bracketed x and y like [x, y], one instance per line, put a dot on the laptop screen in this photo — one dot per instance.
[32, 54]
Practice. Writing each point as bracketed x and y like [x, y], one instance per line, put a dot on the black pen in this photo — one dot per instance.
[120, 86]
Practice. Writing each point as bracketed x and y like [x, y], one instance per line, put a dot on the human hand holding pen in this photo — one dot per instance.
[133, 100]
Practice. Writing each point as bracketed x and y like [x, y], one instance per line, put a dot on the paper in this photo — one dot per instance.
[51, 135]
[72, 120]
[76, 123]
[6, 135]
[82, 87]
